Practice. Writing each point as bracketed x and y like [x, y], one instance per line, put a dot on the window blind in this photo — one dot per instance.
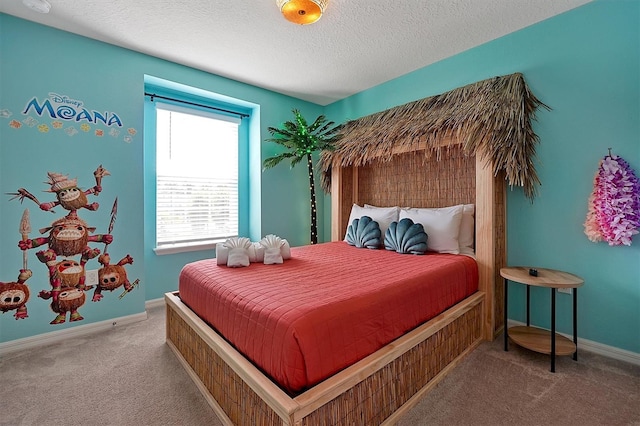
[196, 176]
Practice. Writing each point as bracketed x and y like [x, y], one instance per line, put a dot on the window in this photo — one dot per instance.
[196, 176]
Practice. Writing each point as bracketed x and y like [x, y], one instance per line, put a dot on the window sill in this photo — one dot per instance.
[182, 248]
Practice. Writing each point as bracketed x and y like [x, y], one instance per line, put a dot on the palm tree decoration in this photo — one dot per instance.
[302, 140]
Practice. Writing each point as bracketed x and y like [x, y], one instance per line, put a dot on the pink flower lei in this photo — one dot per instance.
[614, 205]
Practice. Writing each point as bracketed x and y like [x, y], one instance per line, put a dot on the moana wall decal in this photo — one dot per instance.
[65, 252]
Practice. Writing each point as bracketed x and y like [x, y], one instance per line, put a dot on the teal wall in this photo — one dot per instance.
[38, 60]
[584, 64]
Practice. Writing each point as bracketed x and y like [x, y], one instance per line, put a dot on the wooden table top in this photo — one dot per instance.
[546, 277]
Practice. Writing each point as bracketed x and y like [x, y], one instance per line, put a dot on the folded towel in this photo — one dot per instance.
[272, 256]
[272, 249]
[237, 242]
[256, 253]
[285, 250]
[238, 251]
[222, 254]
[238, 257]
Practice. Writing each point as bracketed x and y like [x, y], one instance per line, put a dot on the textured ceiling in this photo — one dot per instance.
[356, 45]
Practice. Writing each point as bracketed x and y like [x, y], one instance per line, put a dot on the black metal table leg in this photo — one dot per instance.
[506, 332]
[528, 305]
[553, 330]
[575, 322]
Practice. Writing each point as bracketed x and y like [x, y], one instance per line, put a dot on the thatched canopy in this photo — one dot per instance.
[491, 118]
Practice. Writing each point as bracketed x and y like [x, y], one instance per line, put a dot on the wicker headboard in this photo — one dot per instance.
[412, 180]
[417, 179]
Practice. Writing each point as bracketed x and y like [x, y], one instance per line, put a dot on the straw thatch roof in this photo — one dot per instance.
[491, 117]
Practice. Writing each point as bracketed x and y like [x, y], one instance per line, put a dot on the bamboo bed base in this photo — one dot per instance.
[384, 385]
[376, 390]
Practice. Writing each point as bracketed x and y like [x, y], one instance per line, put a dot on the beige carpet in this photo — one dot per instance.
[128, 376]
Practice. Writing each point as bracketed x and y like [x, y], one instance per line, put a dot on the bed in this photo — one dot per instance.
[379, 387]
[300, 325]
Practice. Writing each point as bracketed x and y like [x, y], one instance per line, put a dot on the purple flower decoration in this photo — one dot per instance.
[614, 204]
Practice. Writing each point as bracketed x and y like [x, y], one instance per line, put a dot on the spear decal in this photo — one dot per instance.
[22, 193]
[133, 285]
[114, 213]
[25, 230]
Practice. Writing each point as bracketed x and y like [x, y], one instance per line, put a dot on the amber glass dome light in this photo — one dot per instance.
[302, 12]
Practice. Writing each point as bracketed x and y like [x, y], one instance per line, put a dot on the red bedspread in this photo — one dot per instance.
[327, 307]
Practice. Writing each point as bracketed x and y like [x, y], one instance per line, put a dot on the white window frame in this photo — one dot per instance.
[183, 244]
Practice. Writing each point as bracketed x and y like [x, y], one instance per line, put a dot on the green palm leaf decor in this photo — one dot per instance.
[301, 141]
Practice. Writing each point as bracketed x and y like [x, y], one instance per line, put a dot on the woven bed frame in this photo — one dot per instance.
[382, 387]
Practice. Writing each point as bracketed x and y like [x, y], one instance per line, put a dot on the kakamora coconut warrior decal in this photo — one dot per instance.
[65, 251]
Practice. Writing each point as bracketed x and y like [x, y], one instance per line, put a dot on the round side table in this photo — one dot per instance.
[534, 338]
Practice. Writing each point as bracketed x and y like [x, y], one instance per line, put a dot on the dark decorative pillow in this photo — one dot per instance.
[406, 237]
[364, 232]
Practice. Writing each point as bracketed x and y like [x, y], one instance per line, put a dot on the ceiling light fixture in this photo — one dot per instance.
[302, 12]
[40, 6]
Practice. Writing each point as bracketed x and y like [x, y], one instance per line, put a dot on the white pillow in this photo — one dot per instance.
[383, 215]
[467, 230]
[442, 226]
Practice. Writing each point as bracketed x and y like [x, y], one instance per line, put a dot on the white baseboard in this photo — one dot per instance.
[81, 330]
[597, 348]
[154, 303]
[56, 336]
